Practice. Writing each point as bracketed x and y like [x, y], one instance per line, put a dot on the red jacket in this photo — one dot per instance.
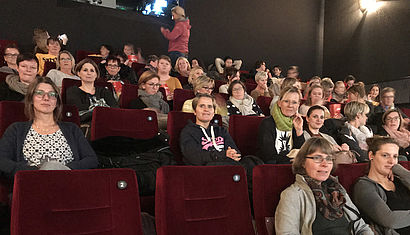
[179, 37]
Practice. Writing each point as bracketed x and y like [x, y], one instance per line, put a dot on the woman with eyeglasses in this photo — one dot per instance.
[317, 203]
[282, 131]
[354, 132]
[44, 142]
[240, 103]
[10, 53]
[88, 96]
[204, 85]
[65, 68]
[383, 195]
[150, 98]
[393, 126]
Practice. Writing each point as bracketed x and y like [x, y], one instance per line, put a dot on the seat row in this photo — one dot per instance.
[188, 200]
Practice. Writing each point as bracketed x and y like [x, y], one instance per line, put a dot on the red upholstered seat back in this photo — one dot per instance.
[48, 65]
[349, 173]
[129, 92]
[250, 87]
[133, 123]
[11, 112]
[218, 83]
[137, 67]
[76, 202]
[70, 114]
[3, 76]
[202, 200]
[180, 96]
[164, 93]
[268, 183]
[264, 103]
[405, 164]
[244, 131]
[177, 120]
[82, 54]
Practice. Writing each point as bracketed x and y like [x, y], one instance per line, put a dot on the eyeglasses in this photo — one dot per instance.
[113, 66]
[11, 55]
[288, 102]
[154, 84]
[392, 119]
[50, 94]
[238, 89]
[208, 88]
[319, 159]
[65, 59]
[388, 97]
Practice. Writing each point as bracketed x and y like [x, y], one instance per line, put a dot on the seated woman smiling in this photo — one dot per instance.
[44, 140]
[317, 203]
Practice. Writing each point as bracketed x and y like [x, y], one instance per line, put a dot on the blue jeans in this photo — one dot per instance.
[174, 55]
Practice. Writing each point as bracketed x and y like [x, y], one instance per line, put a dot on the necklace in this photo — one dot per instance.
[44, 130]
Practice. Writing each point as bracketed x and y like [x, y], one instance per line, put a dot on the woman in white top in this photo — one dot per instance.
[231, 74]
[65, 68]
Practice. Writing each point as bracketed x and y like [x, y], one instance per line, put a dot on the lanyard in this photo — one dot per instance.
[218, 148]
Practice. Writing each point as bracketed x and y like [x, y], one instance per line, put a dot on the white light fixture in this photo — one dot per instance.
[369, 5]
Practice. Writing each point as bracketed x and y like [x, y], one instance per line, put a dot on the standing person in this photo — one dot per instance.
[44, 140]
[10, 53]
[317, 203]
[179, 36]
[383, 195]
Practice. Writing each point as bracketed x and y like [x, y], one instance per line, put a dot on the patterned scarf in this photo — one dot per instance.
[328, 197]
[15, 84]
[282, 122]
[245, 105]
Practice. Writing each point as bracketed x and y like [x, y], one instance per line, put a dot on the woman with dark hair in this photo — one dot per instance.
[196, 62]
[373, 95]
[283, 130]
[87, 96]
[240, 103]
[10, 53]
[383, 195]
[231, 74]
[317, 203]
[315, 96]
[44, 142]
[393, 126]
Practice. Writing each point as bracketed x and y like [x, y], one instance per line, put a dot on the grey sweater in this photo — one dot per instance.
[371, 199]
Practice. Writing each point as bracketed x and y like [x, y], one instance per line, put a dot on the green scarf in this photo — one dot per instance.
[282, 122]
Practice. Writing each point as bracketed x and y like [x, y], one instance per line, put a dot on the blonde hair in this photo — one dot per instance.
[71, 57]
[176, 67]
[260, 75]
[192, 73]
[201, 81]
[179, 11]
[353, 108]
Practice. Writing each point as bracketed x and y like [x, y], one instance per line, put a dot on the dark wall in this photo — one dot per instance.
[374, 47]
[279, 31]
[87, 26]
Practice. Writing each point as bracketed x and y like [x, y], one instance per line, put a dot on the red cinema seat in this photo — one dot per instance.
[103, 201]
[250, 87]
[129, 93]
[244, 132]
[405, 164]
[202, 200]
[349, 173]
[48, 65]
[218, 83]
[133, 123]
[82, 54]
[70, 114]
[11, 112]
[164, 93]
[137, 67]
[180, 96]
[268, 183]
[264, 103]
[3, 76]
[177, 120]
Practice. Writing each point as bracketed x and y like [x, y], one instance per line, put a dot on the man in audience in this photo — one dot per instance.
[260, 65]
[349, 81]
[387, 96]
[114, 72]
[54, 47]
[10, 57]
[226, 63]
[293, 72]
[16, 85]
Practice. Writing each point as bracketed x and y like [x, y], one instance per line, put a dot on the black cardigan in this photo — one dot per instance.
[11, 148]
[266, 143]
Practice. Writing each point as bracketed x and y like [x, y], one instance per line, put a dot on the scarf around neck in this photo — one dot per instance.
[153, 101]
[245, 105]
[282, 122]
[360, 134]
[13, 81]
[328, 197]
